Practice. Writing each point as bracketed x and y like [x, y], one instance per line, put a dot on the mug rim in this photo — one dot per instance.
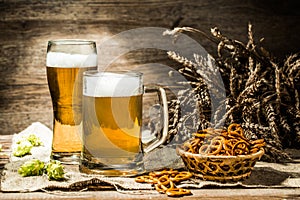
[112, 73]
[71, 42]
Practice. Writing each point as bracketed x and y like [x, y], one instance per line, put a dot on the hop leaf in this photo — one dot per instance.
[55, 170]
[23, 148]
[33, 167]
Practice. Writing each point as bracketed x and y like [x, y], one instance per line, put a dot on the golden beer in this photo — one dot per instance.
[65, 85]
[112, 129]
[66, 62]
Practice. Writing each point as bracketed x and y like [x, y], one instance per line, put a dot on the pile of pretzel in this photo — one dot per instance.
[165, 181]
[221, 142]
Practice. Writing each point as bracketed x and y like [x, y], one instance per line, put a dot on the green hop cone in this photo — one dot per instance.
[23, 148]
[55, 170]
[0, 147]
[34, 140]
[33, 167]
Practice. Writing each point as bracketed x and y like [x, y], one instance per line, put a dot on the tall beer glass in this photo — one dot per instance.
[112, 121]
[66, 62]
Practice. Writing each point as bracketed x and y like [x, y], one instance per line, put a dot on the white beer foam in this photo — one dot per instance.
[58, 59]
[112, 85]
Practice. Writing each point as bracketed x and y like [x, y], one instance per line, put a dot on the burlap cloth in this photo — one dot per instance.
[264, 175]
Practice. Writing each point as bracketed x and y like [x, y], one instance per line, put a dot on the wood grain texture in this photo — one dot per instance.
[27, 25]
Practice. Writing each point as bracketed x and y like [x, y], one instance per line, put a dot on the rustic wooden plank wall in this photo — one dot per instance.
[27, 25]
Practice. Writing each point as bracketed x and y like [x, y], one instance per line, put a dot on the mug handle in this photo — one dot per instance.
[163, 97]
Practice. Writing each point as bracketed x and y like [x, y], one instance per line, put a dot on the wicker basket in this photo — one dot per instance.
[220, 168]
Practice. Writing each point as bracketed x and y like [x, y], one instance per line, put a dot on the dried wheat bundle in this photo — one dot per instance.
[261, 94]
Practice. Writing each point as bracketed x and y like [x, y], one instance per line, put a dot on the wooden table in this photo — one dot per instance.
[205, 193]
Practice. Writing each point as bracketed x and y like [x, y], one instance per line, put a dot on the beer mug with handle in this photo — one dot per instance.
[66, 62]
[112, 123]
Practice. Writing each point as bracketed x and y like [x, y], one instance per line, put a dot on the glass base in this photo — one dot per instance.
[66, 158]
[128, 170]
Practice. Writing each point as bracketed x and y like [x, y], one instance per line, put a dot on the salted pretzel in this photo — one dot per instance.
[164, 181]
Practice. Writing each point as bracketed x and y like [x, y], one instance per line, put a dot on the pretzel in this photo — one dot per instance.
[256, 145]
[165, 180]
[258, 142]
[146, 179]
[163, 172]
[240, 148]
[236, 128]
[178, 192]
[216, 144]
[230, 142]
[181, 176]
[163, 184]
